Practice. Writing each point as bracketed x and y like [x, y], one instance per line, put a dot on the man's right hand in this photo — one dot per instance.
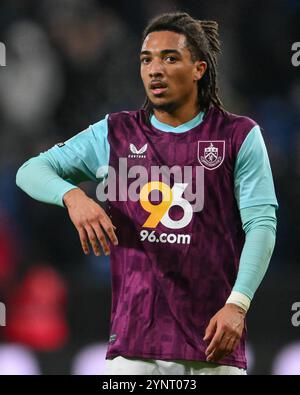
[90, 221]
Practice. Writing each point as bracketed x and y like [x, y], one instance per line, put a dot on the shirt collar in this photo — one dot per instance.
[164, 127]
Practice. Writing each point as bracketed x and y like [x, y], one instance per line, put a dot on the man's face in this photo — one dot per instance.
[167, 70]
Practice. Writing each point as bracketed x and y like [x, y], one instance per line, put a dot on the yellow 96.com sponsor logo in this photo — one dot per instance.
[159, 213]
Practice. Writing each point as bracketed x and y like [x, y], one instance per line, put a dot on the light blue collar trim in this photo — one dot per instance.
[164, 127]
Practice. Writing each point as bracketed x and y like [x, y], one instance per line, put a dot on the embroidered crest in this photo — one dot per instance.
[211, 154]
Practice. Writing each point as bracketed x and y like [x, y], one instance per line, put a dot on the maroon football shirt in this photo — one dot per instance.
[174, 267]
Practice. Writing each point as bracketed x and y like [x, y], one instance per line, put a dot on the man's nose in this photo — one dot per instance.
[156, 69]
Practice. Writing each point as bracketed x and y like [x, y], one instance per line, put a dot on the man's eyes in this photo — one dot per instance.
[168, 59]
[171, 59]
[145, 60]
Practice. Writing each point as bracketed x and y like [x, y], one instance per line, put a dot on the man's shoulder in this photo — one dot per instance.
[239, 123]
[127, 115]
[232, 126]
[118, 118]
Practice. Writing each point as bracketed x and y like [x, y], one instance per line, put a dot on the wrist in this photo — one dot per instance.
[70, 196]
[239, 299]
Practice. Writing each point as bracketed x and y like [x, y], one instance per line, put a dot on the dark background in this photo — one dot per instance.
[71, 62]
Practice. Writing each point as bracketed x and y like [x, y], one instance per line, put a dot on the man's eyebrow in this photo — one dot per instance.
[163, 52]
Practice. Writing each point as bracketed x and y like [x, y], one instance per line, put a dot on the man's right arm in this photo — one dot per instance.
[43, 181]
[53, 176]
[50, 175]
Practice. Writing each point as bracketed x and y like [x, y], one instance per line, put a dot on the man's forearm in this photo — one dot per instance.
[259, 224]
[254, 260]
[40, 180]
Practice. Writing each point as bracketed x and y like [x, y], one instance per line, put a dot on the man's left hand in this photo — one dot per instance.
[224, 332]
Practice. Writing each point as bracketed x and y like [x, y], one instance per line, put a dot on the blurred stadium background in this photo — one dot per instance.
[69, 63]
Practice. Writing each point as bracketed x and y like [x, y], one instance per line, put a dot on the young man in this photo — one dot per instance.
[187, 261]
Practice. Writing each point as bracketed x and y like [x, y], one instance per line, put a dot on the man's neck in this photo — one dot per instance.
[178, 117]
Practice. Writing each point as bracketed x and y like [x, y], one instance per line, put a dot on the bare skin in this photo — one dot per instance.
[165, 58]
[91, 222]
[224, 332]
[170, 78]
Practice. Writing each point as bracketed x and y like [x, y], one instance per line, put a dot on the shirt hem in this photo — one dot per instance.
[235, 363]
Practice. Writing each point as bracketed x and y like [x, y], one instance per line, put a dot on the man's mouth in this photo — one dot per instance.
[158, 87]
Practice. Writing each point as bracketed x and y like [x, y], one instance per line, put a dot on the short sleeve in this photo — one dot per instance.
[253, 180]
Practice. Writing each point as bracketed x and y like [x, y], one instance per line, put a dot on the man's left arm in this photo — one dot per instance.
[255, 195]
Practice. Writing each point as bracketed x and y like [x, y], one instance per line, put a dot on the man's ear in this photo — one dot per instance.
[199, 69]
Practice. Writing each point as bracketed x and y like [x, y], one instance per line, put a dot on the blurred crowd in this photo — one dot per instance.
[69, 63]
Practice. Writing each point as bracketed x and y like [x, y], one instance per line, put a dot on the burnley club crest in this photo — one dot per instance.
[211, 153]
